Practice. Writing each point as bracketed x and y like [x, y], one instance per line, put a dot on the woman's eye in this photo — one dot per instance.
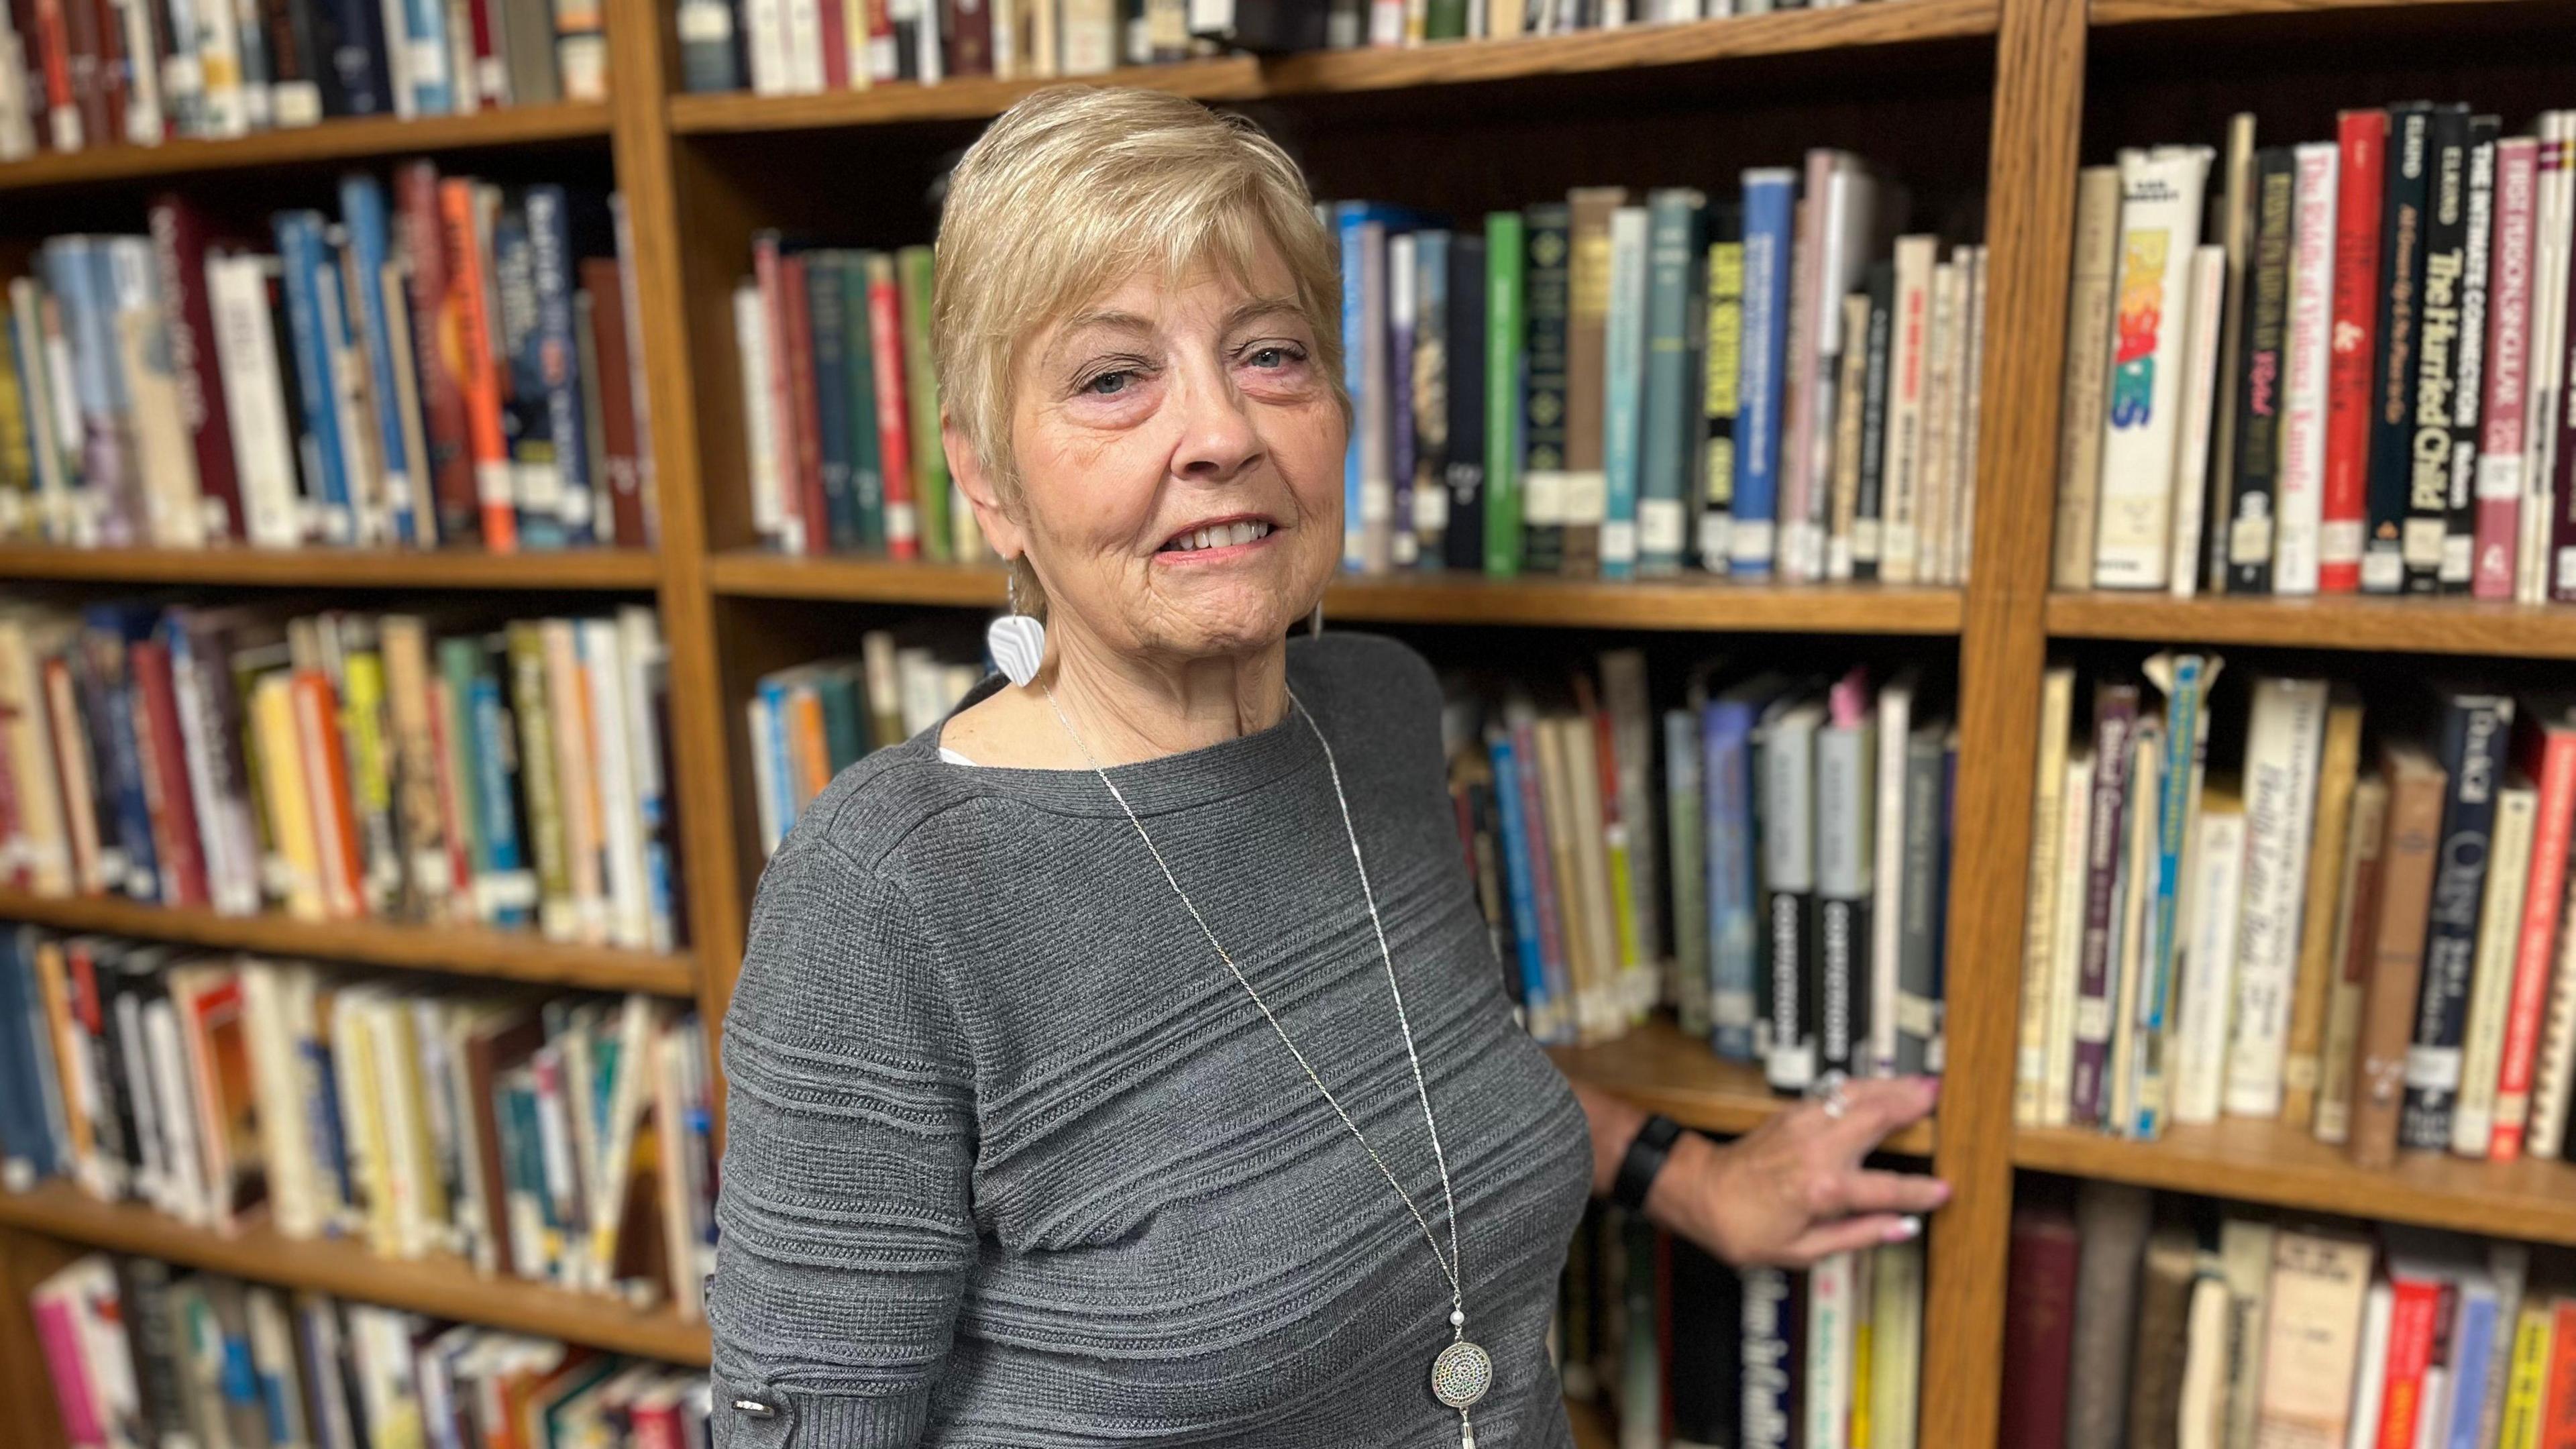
[1108, 384]
[1272, 357]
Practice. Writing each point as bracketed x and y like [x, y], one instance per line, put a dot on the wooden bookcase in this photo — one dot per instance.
[1923, 83]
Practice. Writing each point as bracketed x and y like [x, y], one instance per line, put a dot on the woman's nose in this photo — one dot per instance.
[1217, 439]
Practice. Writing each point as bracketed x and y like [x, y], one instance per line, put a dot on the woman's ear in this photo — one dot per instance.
[966, 465]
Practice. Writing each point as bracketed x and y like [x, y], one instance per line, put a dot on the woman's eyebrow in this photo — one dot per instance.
[1254, 308]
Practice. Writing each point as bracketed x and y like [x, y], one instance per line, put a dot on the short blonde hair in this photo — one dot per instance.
[1073, 189]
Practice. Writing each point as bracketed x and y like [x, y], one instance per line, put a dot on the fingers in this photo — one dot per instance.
[1849, 1235]
[1893, 1192]
[1872, 1110]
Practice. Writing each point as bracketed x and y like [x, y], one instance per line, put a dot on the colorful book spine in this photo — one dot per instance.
[2306, 359]
[1547, 308]
[1504, 359]
[303, 254]
[1770, 203]
[2475, 730]
[1622, 413]
[363, 215]
[2159, 221]
[2437, 338]
[1723, 364]
[2499, 486]
[2246, 530]
[2344, 494]
[1726, 735]
[2115, 716]
[2393, 364]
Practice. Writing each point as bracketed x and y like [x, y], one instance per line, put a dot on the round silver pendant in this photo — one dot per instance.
[1461, 1374]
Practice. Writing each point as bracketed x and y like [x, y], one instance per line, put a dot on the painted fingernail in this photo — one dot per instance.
[1907, 1227]
[1944, 1189]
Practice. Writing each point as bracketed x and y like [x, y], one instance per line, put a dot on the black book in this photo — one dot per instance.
[98, 983]
[2437, 338]
[1723, 358]
[1430, 400]
[1869, 506]
[1463, 470]
[1787, 812]
[1705, 1380]
[1549, 236]
[2469, 359]
[2250, 523]
[143, 1300]
[2474, 731]
[1774, 1365]
[2392, 380]
[355, 79]
[290, 32]
[1264, 27]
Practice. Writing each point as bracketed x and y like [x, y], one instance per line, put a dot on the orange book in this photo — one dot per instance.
[813, 755]
[468, 285]
[326, 774]
[2558, 1419]
[70, 1058]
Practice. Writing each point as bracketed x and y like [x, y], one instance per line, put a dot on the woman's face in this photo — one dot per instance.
[1180, 459]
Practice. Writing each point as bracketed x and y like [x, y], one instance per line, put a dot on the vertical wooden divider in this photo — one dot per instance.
[2030, 185]
[643, 63]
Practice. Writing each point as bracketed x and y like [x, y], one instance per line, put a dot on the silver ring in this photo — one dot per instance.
[1830, 1096]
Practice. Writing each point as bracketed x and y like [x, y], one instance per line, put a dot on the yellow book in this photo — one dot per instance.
[402, 1098]
[371, 775]
[2526, 1390]
[1864, 1346]
[295, 871]
[362, 1121]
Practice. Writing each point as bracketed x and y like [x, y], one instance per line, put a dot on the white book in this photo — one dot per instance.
[2057, 1084]
[2160, 205]
[420, 1201]
[174, 508]
[765, 24]
[17, 128]
[621, 824]
[177, 1101]
[2491, 979]
[254, 400]
[804, 30]
[1887, 918]
[2552, 246]
[760, 425]
[1903, 467]
[228, 103]
[2283, 740]
[2201, 1422]
[2199, 410]
[2039, 923]
[2557, 1046]
[2208, 959]
[271, 994]
[1972, 391]
[646, 661]
[2137, 903]
[1831, 1285]
[2306, 355]
[55, 508]
[2370, 1385]
[1940, 412]
[143, 118]
[765, 765]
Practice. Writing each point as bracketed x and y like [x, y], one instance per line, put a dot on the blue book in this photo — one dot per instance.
[2185, 680]
[782, 778]
[362, 219]
[1770, 209]
[81, 275]
[320, 1091]
[1727, 725]
[2474, 1346]
[1623, 404]
[1349, 222]
[827, 315]
[496, 806]
[26, 1062]
[1676, 324]
[107, 632]
[557, 360]
[527, 413]
[353, 43]
[1542, 1012]
[425, 69]
[2475, 727]
[305, 260]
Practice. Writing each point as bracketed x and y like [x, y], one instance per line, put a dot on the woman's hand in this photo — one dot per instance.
[1793, 1190]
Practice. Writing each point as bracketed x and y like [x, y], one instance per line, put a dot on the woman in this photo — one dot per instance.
[1124, 1061]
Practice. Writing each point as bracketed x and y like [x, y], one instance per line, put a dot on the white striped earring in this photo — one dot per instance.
[1016, 641]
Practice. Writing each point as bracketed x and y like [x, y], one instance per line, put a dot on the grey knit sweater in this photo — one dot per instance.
[1013, 1160]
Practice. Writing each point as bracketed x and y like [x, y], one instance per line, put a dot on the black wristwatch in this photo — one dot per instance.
[1647, 1152]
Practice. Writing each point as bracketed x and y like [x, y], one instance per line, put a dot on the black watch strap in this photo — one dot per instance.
[1647, 1152]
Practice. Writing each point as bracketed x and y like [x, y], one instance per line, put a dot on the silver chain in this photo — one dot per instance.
[1449, 1264]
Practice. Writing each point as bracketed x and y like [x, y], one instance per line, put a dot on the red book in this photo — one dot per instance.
[2544, 750]
[969, 28]
[2414, 1324]
[2345, 499]
[609, 344]
[78, 20]
[836, 44]
[894, 428]
[2039, 1328]
[806, 482]
[111, 83]
[165, 772]
[489, 86]
[766, 259]
[438, 348]
[38, 59]
[495, 497]
[2558, 1418]
[179, 237]
[2508, 376]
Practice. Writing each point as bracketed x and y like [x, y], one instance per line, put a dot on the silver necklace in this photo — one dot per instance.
[1462, 1372]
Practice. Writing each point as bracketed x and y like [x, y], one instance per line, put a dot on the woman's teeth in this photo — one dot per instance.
[1219, 536]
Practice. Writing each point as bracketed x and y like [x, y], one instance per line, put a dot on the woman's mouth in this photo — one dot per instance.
[1217, 537]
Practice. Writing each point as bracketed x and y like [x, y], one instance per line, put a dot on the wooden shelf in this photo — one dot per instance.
[2265, 1162]
[461, 950]
[1695, 602]
[328, 568]
[441, 1286]
[1342, 72]
[341, 140]
[2135, 12]
[2345, 621]
[1661, 1070]
[1591, 1426]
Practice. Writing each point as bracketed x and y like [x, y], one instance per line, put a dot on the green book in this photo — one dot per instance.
[1672, 247]
[921, 390]
[1445, 20]
[1503, 364]
[1548, 245]
[867, 467]
[838, 688]
[537, 778]
[459, 659]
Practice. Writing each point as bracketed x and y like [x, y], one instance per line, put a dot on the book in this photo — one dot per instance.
[2474, 731]
[2248, 524]
[2338, 772]
[2312, 1339]
[2385, 558]
[1550, 258]
[2306, 358]
[1769, 202]
[2082, 399]
[2356, 917]
[2344, 492]
[2285, 737]
[2040, 1311]
[2417, 786]
[2517, 802]
[2160, 218]
[2545, 751]
[2112, 1222]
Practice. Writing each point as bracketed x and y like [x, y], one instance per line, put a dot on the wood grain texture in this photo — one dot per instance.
[334, 568]
[351, 139]
[2037, 121]
[2349, 621]
[2267, 1162]
[456, 950]
[26, 1384]
[441, 1285]
[1661, 1070]
[2136, 12]
[1696, 603]
[1591, 1426]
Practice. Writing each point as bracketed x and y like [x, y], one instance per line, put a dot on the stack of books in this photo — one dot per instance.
[562, 1140]
[459, 368]
[802, 47]
[2182, 1322]
[2359, 386]
[2363, 938]
[1792, 831]
[82, 74]
[142, 1354]
[449, 768]
[1684, 1351]
[810, 722]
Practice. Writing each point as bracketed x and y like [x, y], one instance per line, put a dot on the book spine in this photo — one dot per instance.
[1771, 1375]
[2047, 816]
[1623, 381]
[2086, 390]
[1545, 1019]
[930, 485]
[1665, 503]
[610, 366]
[2362, 145]
[2306, 358]
[1370, 487]
[179, 252]
[301, 253]
[1734, 949]
[2185, 680]
[2499, 486]
[469, 284]
[2115, 715]
[2356, 916]
[2281, 760]
[1466, 380]
[2329, 838]
[2474, 731]
[448, 470]
[1719, 401]
[1919, 949]
[2468, 358]
[2249, 525]
[536, 460]
[1844, 877]
[2404, 898]
[894, 409]
[1403, 314]
[836, 524]
[2437, 337]
[1788, 816]
[1867, 544]
[1504, 363]
[537, 722]
[2551, 753]
[2554, 193]
[2491, 976]
[2159, 218]
[557, 371]
[2236, 229]
[1547, 315]
[2394, 365]
[1769, 206]
[362, 207]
